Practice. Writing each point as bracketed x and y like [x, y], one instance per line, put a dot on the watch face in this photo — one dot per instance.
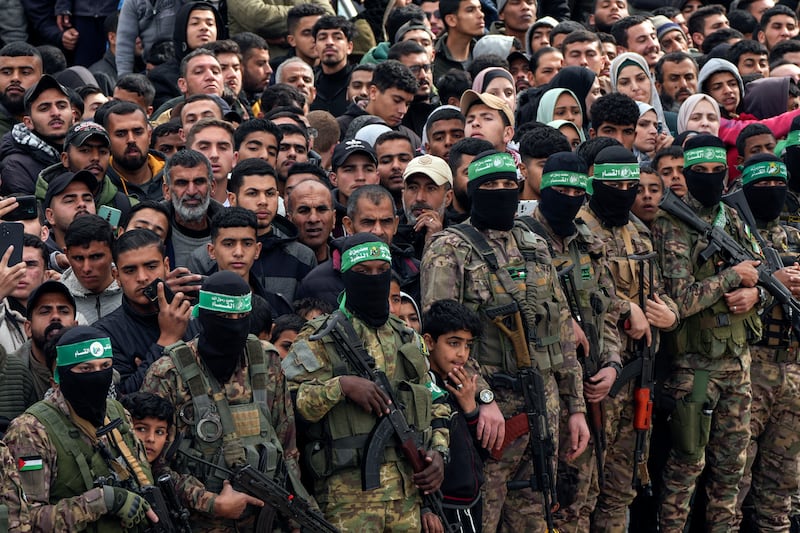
[486, 396]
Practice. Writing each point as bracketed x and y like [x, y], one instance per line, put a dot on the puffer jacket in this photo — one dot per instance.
[90, 305]
[149, 19]
[267, 18]
[24, 155]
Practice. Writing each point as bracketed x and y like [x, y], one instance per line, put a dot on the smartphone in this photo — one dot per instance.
[151, 291]
[110, 215]
[11, 235]
[26, 210]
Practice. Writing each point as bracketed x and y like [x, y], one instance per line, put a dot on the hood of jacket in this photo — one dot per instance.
[715, 65]
[282, 232]
[22, 140]
[766, 97]
[79, 291]
[377, 54]
[182, 18]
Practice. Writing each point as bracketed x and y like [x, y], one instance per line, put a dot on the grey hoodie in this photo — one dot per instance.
[92, 306]
[715, 65]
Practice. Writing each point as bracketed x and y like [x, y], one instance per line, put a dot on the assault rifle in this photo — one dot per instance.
[590, 363]
[734, 253]
[393, 424]
[259, 485]
[509, 320]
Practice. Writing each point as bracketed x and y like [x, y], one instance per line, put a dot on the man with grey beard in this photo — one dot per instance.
[188, 186]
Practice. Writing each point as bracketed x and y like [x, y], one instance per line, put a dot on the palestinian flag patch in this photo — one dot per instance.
[26, 464]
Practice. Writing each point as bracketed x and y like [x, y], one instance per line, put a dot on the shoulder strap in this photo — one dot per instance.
[185, 362]
[534, 226]
[257, 363]
[478, 242]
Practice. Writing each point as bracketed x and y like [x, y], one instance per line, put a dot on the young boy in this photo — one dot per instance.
[284, 331]
[152, 419]
[449, 329]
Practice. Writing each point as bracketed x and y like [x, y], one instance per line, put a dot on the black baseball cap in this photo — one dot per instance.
[62, 181]
[45, 82]
[48, 287]
[349, 147]
[81, 132]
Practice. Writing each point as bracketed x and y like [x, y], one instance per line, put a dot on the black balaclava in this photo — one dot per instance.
[222, 340]
[705, 187]
[85, 392]
[613, 206]
[557, 208]
[792, 155]
[366, 296]
[492, 209]
[766, 203]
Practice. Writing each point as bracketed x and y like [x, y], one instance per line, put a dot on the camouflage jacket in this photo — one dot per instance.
[164, 380]
[11, 495]
[678, 247]
[452, 269]
[595, 278]
[319, 391]
[27, 438]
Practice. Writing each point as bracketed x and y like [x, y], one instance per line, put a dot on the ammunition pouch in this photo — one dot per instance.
[716, 332]
[690, 423]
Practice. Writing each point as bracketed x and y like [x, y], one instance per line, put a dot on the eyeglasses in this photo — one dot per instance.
[430, 14]
[415, 69]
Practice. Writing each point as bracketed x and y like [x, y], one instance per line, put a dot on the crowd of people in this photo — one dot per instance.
[441, 265]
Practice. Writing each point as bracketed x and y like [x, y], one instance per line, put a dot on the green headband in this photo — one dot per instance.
[491, 164]
[564, 178]
[793, 139]
[704, 154]
[225, 303]
[368, 251]
[766, 170]
[616, 171]
[80, 352]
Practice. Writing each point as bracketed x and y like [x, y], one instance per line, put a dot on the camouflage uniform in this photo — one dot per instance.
[164, 379]
[11, 496]
[617, 492]
[452, 268]
[337, 485]
[594, 289]
[51, 508]
[774, 450]
[709, 425]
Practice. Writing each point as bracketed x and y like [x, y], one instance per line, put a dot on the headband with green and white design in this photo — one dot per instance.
[616, 171]
[80, 352]
[564, 178]
[225, 303]
[704, 154]
[765, 170]
[368, 251]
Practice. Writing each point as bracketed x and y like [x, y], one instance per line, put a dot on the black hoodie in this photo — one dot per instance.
[165, 76]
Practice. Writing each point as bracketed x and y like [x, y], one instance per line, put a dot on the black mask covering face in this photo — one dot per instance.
[612, 206]
[792, 160]
[559, 210]
[368, 296]
[766, 203]
[222, 343]
[494, 208]
[86, 392]
[705, 187]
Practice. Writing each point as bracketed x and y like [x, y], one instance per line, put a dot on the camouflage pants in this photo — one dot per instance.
[398, 516]
[617, 492]
[774, 450]
[517, 510]
[580, 485]
[728, 396]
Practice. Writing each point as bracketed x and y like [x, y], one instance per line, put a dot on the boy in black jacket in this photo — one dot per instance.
[449, 330]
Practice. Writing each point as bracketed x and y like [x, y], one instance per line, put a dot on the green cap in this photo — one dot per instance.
[704, 154]
[368, 251]
[80, 352]
[564, 178]
[224, 303]
[765, 170]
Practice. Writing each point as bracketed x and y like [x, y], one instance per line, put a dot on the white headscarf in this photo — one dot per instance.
[617, 65]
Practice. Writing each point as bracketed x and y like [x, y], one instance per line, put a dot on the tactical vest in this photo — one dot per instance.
[592, 298]
[336, 442]
[715, 331]
[529, 284]
[777, 329]
[223, 434]
[79, 464]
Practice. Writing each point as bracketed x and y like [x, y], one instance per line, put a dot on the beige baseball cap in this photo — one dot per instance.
[470, 98]
[433, 167]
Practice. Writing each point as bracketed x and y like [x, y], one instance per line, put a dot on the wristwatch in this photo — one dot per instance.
[485, 396]
[444, 452]
[763, 295]
[616, 366]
